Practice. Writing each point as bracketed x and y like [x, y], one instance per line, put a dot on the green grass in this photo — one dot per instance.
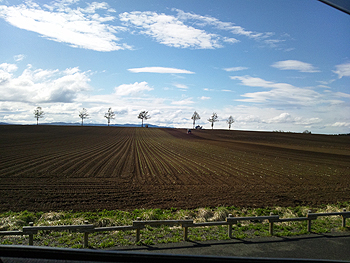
[164, 234]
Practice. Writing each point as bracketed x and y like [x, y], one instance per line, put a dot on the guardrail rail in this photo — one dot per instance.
[186, 223]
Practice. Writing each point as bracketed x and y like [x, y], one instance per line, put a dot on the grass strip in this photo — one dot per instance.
[164, 234]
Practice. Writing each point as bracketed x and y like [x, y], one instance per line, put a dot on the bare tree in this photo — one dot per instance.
[144, 115]
[229, 121]
[212, 119]
[38, 113]
[109, 115]
[83, 115]
[195, 117]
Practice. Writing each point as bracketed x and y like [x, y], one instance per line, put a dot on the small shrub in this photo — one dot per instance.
[220, 214]
[51, 216]
[204, 214]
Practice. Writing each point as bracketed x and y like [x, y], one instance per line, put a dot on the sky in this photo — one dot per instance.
[273, 65]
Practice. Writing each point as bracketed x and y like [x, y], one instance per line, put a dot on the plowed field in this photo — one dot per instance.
[46, 168]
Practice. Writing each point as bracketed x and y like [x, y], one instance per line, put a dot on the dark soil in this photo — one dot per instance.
[51, 168]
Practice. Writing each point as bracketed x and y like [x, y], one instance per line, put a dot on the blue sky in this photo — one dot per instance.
[272, 65]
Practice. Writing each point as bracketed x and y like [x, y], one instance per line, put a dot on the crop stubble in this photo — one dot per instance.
[46, 168]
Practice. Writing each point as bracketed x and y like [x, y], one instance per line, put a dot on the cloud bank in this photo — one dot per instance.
[39, 85]
[86, 28]
[284, 94]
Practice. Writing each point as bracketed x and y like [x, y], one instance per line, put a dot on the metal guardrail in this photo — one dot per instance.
[138, 225]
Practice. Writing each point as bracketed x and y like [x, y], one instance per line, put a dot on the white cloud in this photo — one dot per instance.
[284, 94]
[341, 124]
[283, 117]
[79, 27]
[160, 70]
[258, 82]
[235, 69]
[8, 68]
[227, 90]
[19, 57]
[295, 65]
[132, 89]
[342, 95]
[248, 118]
[169, 30]
[42, 85]
[180, 86]
[343, 70]
[185, 30]
[228, 26]
[230, 40]
[205, 98]
[288, 118]
[323, 86]
[202, 21]
[187, 101]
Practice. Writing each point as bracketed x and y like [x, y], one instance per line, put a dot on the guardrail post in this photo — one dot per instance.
[309, 221]
[271, 225]
[230, 227]
[86, 236]
[186, 230]
[31, 235]
[138, 231]
[343, 224]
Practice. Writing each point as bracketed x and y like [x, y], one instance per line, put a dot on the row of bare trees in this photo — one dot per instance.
[213, 118]
[83, 114]
[143, 115]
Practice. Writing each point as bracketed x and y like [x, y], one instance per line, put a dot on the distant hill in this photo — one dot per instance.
[93, 124]
[99, 124]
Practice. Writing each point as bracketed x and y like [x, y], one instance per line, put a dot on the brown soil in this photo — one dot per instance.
[47, 168]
